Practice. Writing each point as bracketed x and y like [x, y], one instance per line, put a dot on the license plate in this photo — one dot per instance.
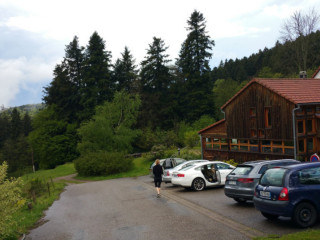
[174, 175]
[265, 194]
[232, 182]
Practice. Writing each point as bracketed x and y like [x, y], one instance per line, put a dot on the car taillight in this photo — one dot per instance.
[284, 195]
[168, 174]
[245, 180]
[180, 175]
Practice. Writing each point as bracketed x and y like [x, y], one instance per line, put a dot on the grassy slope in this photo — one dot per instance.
[26, 218]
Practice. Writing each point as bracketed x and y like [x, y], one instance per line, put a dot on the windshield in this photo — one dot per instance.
[273, 177]
[242, 170]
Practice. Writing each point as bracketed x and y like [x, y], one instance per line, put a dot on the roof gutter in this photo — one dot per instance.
[294, 130]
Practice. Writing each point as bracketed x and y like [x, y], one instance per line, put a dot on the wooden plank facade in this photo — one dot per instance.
[259, 122]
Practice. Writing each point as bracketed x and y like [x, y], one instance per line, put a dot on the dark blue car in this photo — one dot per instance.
[290, 191]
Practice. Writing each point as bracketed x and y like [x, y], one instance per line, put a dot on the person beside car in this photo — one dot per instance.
[157, 172]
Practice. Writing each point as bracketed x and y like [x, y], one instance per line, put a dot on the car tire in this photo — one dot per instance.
[198, 184]
[269, 216]
[305, 215]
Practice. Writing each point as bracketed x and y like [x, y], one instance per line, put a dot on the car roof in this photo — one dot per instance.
[302, 165]
[262, 162]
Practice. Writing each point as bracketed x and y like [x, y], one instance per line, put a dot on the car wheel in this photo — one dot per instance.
[305, 215]
[269, 216]
[198, 184]
[240, 200]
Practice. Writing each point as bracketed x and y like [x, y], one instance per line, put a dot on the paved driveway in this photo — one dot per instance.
[128, 209]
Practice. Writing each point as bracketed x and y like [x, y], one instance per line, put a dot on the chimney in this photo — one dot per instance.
[303, 74]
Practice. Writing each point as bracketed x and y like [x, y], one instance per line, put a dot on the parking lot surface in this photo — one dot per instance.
[128, 209]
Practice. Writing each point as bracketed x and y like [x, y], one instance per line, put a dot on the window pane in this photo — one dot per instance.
[224, 147]
[273, 177]
[208, 139]
[288, 143]
[301, 146]
[208, 146]
[234, 141]
[300, 127]
[288, 151]
[266, 142]
[254, 142]
[254, 149]
[309, 176]
[244, 141]
[216, 140]
[243, 148]
[277, 150]
[234, 148]
[310, 143]
[266, 149]
[309, 125]
[223, 140]
[216, 146]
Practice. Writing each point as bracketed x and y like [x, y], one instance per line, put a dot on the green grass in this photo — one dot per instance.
[27, 218]
[303, 235]
[62, 170]
[140, 168]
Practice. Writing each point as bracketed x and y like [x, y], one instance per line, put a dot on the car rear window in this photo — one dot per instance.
[273, 177]
[242, 170]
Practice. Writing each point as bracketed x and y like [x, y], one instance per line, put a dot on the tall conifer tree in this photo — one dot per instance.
[155, 80]
[194, 93]
[97, 85]
[125, 72]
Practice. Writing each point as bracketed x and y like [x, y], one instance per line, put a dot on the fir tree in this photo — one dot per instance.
[125, 72]
[155, 81]
[97, 85]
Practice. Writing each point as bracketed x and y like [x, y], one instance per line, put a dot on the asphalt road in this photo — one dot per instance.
[128, 209]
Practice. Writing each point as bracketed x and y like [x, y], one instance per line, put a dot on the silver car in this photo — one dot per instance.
[241, 182]
[167, 173]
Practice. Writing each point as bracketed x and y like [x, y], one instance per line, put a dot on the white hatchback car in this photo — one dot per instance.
[202, 175]
[167, 173]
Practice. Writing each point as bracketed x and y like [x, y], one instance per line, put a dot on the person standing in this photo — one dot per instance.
[157, 172]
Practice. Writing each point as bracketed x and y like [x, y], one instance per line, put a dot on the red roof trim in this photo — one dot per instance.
[212, 125]
[316, 72]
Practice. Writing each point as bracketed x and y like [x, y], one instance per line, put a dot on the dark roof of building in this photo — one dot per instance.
[294, 90]
[212, 125]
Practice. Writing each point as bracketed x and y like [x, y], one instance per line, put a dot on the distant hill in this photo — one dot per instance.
[31, 109]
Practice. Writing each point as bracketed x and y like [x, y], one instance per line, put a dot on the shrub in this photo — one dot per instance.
[232, 162]
[191, 139]
[102, 163]
[10, 201]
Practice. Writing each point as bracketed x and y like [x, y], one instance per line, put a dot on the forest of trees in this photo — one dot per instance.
[96, 109]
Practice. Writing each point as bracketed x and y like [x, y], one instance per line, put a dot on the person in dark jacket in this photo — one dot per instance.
[157, 172]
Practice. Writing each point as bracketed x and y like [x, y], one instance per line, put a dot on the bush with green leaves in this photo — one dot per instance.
[11, 200]
[191, 139]
[102, 163]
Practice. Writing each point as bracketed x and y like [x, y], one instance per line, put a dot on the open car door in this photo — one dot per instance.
[211, 174]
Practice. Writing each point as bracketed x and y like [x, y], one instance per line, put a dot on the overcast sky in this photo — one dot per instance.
[34, 33]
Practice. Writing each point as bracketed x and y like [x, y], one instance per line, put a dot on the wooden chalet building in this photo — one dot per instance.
[267, 119]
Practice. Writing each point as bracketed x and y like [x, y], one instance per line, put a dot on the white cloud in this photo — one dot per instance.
[18, 74]
[239, 28]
